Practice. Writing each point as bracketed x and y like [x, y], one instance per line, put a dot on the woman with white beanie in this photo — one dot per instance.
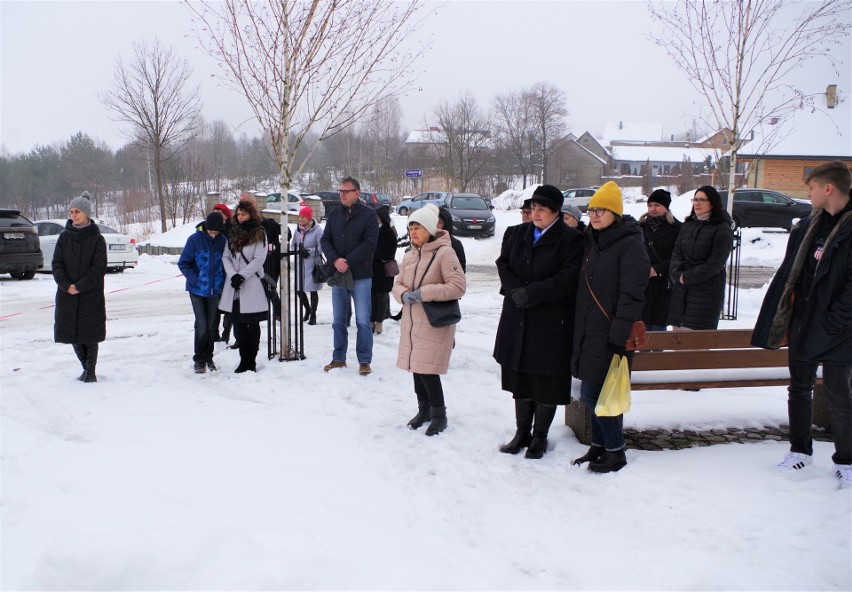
[79, 266]
[430, 272]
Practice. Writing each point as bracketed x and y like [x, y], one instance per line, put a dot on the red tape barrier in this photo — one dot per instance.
[15, 314]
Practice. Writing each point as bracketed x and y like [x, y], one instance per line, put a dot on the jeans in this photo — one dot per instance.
[340, 299]
[837, 386]
[206, 319]
[606, 431]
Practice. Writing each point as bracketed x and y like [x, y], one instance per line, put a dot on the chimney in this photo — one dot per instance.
[831, 96]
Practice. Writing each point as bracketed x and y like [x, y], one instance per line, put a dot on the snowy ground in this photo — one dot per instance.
[156, 478]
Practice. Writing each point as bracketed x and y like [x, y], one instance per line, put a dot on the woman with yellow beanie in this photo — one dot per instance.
[610, 298]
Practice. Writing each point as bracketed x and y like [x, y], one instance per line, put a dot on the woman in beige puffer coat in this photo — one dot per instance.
[430, 272]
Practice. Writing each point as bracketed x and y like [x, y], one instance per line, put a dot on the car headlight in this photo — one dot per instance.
[455, 218]
[490, 219]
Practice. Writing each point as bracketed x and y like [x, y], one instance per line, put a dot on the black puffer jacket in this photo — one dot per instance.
[700, 255]
[659, 245]
[80, 259]
[537, 340]
[617, 268]
[385, 251]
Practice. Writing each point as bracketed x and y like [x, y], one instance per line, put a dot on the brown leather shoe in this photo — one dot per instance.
[364, 369]
[334, 364]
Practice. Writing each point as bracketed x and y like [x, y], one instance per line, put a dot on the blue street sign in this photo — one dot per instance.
[413, 173]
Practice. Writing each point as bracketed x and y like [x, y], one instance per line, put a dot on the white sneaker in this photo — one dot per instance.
[844, 474]
[794, 461]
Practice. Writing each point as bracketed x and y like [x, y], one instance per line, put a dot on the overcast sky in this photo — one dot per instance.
[58, 57]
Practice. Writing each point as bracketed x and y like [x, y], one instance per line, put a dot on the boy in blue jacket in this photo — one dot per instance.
[201, 263]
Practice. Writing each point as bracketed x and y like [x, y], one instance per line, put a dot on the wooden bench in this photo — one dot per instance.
[694, 360]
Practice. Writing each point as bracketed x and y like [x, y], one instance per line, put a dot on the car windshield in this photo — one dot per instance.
[469, 203]
[107, 230]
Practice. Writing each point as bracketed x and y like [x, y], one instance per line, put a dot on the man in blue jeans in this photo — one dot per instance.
[350, 237]
[809, 307]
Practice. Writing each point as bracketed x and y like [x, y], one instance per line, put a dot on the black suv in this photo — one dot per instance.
[471, 215]
[20, 252]
[375, 200]
[766, 208]
[330, 200]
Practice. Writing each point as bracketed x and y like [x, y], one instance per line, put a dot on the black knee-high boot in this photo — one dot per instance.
[306, 305]
[544, 415]
[524, 413]
[80, 350]
[312, 320]
[91, 362]
[423, 412]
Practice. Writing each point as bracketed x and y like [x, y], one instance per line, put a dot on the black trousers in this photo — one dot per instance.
[428, 387]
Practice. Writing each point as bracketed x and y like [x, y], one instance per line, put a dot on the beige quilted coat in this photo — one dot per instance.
[425, 349]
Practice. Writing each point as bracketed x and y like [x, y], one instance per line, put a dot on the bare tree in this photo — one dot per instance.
[153, 95]
[383, 141]
[516, 130]
[462, 143]
[317, 65]
[549, 111]
[739, 54]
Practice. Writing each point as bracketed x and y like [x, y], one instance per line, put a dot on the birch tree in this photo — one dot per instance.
[739, 55]
[310, 66]
[152, 93]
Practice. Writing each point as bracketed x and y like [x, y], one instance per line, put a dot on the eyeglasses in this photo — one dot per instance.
[700, 200]
[342, 191]
[596, 211]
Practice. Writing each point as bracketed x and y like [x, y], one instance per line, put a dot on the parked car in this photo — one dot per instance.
[766, 208]
[579, 197]
[295, 202]
[375, 199]
[471, 215]
[407, 206]
[121, 249]
[20, 252]
[330, 200]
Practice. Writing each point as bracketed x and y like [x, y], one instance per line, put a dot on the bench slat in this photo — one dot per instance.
[686, 360]
[707, 384]
[705, 339]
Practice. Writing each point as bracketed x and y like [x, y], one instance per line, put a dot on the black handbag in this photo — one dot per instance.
[320, 273]
[440, 313]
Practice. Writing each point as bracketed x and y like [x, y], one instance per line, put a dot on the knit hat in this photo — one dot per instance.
[608, 196]
[214, 222]
[572, 210]
[662, 197]
[223, 208]
[82, 203]
[527, 205]
[548, 195]
[307, 212]
[427, 217]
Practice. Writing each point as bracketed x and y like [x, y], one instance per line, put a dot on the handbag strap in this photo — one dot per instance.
[595, 298]
[243, 255]
[423, 277]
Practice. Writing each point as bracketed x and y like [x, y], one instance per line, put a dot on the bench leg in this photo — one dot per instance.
[579, 419]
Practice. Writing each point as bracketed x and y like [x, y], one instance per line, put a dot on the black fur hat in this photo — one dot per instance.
[548, 195]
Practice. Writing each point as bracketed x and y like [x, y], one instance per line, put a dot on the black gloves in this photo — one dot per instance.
[520, 298]
[237, 281]
[618, 350]
[304, 253]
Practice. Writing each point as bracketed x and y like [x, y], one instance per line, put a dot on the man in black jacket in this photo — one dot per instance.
[809, 307]
[350, 237]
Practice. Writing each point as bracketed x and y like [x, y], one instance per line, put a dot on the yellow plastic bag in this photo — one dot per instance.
[615, 394]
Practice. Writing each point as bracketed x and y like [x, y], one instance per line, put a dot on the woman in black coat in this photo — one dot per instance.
[79, 266]
[538, 268]
[382, 284]
[660, 230]
[697, 269]
[615, 272]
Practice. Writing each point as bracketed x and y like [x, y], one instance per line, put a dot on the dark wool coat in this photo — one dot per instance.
[352, 233]
[658, 295]
[825, 330]
[385, 251]
[537, 340]
[617, 267]
[700, 255]
[80, 259]
[201, 263]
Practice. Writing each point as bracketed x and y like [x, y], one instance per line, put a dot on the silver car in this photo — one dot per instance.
[121, 249]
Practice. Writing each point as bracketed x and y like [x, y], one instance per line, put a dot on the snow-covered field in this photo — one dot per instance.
[292, 478]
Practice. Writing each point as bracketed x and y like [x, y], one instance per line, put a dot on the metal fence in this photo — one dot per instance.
[732, 294]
